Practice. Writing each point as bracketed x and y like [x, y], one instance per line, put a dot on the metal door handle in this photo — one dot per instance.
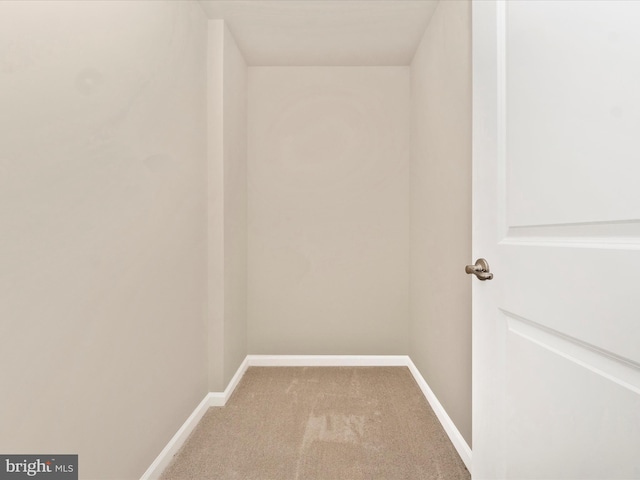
[480, 269]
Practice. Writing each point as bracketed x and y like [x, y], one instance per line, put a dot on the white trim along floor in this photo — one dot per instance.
[219, 399]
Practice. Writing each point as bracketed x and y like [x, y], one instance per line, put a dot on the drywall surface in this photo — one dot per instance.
[440, 328]
[328, 210]
[235, 209]
[227, 109]
[103, 243]
[320, 32]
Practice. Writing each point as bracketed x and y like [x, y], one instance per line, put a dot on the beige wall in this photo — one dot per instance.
[328, 210]
[227, 226]
[235, 214]
[115, 321]
[440, 328]
[102, 208]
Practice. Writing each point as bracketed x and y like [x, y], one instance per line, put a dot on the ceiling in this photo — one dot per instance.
[325, 32]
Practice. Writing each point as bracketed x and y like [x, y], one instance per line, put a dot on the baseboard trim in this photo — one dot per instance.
[212, 399]
[450, 428]
[327, 360]
[166, 455]
[219, 399]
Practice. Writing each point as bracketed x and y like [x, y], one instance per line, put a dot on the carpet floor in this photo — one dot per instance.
[313, 423]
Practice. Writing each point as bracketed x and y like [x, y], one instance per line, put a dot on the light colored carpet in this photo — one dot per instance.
[329, 423]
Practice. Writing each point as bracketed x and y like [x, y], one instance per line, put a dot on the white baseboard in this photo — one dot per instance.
[327, 360]
[449, 427]
[212, 399]
[219, 399]
[166, 455]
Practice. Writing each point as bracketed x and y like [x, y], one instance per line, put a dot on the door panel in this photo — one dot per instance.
[555, 432]
[586, 293]
[557, 215]
[572, 106]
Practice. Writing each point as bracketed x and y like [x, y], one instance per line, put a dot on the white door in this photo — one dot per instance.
[556, 332]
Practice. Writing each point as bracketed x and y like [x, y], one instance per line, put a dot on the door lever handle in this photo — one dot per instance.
[480, 269]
